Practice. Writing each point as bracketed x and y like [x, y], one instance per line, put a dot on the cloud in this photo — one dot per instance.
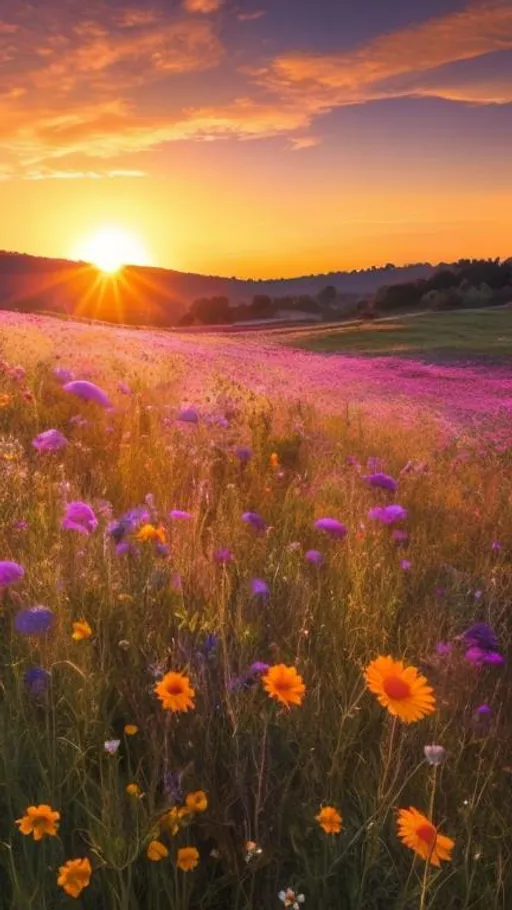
[304, 142]
[376, 70]
[202, 6]
[251, 16]
[49, 174]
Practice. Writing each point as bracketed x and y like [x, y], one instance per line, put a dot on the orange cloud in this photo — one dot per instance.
[251, 17]
[202, 6]
[374, 70]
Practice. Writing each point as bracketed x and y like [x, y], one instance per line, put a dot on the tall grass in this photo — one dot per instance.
[266, 770]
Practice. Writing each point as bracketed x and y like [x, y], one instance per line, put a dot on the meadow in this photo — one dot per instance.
[208, 548]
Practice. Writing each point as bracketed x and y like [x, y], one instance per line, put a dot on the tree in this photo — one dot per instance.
[327, 295]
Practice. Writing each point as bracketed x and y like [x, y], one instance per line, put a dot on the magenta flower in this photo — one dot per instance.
[10, 573]
[332, 526]
[260, 588]
[255, 520]
[400, 537]
[179, 514]
[479, 656]
[444, 648]
[383, 481]
[50, 441]
[79, 517]
[388, 515]
[88, 391]
[224, 556]
[483, 712]
[315, 557]
[496, 546]
[406, 565]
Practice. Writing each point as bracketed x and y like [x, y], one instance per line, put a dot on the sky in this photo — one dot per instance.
[258, 138]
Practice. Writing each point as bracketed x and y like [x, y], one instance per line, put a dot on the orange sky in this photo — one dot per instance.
[238, 139]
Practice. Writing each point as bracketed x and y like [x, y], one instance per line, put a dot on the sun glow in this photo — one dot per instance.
[111, 248]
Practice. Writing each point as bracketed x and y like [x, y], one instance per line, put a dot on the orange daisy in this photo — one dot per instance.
[156, 851]
[174, 818]
[187, 858]
[39, 821]
[150, 532]
[421, 835]
[81, 630]
[74, 876]
[402, 690]
[329, 819]
[175, 692]
[197, 801]
[130, 729]
[284, 684]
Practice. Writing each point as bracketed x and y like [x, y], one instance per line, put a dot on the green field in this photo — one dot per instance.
[455, 334]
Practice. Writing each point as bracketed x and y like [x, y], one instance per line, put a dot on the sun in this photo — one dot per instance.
[110, 248]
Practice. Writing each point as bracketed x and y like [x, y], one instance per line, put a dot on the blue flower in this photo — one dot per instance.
[255, 520]
[34, 620]
[36, 681]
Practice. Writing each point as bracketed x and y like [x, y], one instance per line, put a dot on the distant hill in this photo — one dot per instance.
[161, 296]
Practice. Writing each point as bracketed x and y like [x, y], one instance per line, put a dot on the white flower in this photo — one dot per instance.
[291, 899]
[434, 754]
[111, 746]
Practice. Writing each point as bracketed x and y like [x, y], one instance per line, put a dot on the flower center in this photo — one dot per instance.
[427, 833]
[396, 688]
[175, 688]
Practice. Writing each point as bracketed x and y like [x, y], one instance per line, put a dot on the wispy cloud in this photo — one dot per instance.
[376, 70]
[251, 16]
[202, 6]
[75, 87]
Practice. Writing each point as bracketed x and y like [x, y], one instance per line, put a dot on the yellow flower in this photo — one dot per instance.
[284, 684]
[197, 801]
[329, 819]
[421, 835]
[131, 729]
[157, 851]
[134, 790]
[150, 532]
[175, 692]
[74, 876]
[81, 630]
[39, 821]
[187, 859]
[402, 690]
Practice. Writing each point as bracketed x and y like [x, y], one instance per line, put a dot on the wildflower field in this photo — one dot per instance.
[255, 625]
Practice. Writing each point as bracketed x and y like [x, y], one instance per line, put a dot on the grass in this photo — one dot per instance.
[454, 335]
[266, 770]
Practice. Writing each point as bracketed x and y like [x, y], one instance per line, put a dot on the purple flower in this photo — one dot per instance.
[496, 546]
[257, 667]
[180, 514]
[400, 537]
[255, 520]
[125, 548]
[209, 645]
[246, 679]
[388, 514]
[50, 441]
[21, 525]
[111, 746]
[478, 595]
[444, 648]
[243, 453]
[188, 415]
[332, 526]
[36, 681]
[439, 592]
[34, 620]
[10, 573]
[62, 374]
[480, 656]
[383, 481]
[483, 712]
[260, 588]
[315, 557]
[481, 636]
[223, 556]
[88, 391]
[79, 517]
[406, 565]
